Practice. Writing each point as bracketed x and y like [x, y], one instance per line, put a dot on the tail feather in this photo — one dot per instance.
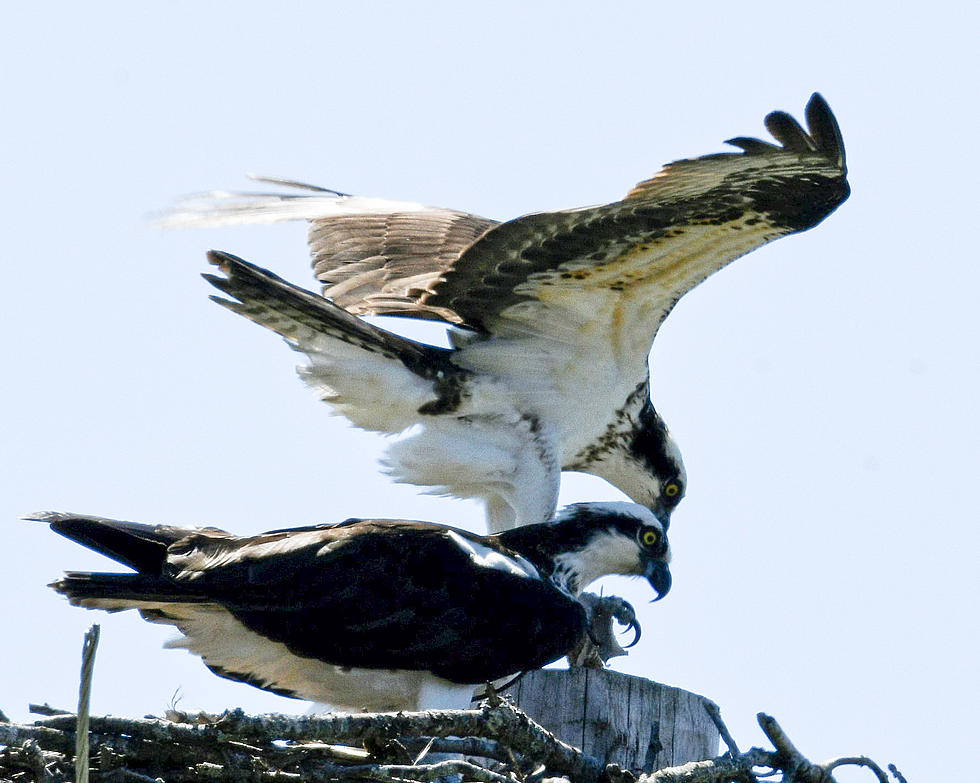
[117, 592]
[301, 316]
[141, 547]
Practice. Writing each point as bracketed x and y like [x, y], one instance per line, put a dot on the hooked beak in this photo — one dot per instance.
[658, 575]
[662, 512]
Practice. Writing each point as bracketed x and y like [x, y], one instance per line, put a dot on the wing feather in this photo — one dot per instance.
[765, 192]
[788, 132]
[400, 258]
[373, 256]
[383, 594]
[383, 263]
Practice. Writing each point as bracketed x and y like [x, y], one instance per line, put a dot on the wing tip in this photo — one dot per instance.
[285, 182]
[226, 262]
[825, 130]
[822, 135]
[48, 517]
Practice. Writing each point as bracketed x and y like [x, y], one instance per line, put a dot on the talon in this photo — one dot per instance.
[637, 633]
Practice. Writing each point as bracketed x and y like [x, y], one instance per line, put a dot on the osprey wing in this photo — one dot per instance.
[390, 595]
[365, 594]
[373, 256]
[637, 257]
[383, 263]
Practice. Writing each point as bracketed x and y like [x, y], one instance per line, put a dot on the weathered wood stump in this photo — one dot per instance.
[639, 724]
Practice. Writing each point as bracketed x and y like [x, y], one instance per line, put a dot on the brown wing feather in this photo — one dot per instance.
[730, 203]
[383, 263]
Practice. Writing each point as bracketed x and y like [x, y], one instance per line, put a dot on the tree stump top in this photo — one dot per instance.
[639, 724]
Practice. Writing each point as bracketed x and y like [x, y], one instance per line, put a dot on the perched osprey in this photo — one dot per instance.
[369, 614]
[554, 314]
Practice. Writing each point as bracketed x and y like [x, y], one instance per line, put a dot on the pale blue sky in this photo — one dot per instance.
[823, 390]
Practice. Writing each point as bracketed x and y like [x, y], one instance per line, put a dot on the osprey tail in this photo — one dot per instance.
[141, 547]
[302, 317]
[377, 379]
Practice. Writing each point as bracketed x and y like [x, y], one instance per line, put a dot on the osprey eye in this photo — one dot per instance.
[649, 538]
[672, 490]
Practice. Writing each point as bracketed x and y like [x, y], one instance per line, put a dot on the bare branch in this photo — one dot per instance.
[896, 774]
[89, 646]
[857, 761]
[245, 749]
[719, 770]
[46, 709]
[714, 712]
[796, 768]
[468, 746]
[394, 773]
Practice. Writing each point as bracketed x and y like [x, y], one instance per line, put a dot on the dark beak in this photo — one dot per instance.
[658, 575]
[662, 512]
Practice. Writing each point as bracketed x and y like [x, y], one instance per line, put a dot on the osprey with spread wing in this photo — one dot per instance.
[370, 614]
[553, 314]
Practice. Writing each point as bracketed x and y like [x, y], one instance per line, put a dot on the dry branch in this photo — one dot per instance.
[503, 746]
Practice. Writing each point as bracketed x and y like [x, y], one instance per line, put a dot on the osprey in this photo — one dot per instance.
[553, 314]
[369, 614]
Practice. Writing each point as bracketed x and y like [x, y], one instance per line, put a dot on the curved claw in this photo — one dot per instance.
[626, 615]
[637, 633]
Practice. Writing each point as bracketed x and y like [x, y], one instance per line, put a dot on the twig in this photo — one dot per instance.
[33, 758]
[897, 775]
[46, 709]
[718, 770]
[18, 735]
[714, 712]
[425, 751]
[89, 647]
[795, 767]
[857, 761]
[425, 772]
[465, 746]
[243, 749]
[504, 723]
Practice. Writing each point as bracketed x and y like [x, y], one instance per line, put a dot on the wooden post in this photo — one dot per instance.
[639, 724]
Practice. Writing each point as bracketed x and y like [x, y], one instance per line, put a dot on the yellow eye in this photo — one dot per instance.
[672, 490]
[650, 538]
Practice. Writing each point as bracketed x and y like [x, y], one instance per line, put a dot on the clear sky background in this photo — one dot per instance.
[823, 390]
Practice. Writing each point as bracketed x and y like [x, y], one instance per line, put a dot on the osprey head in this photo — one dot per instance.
[586, 541]
[638, 456]
[653, 448]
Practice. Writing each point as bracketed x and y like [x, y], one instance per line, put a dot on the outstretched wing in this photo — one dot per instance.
[580, 270]
[666, 236]
[373, 256]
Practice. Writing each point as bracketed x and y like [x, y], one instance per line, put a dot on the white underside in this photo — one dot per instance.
[223, 642]
[485, 449]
